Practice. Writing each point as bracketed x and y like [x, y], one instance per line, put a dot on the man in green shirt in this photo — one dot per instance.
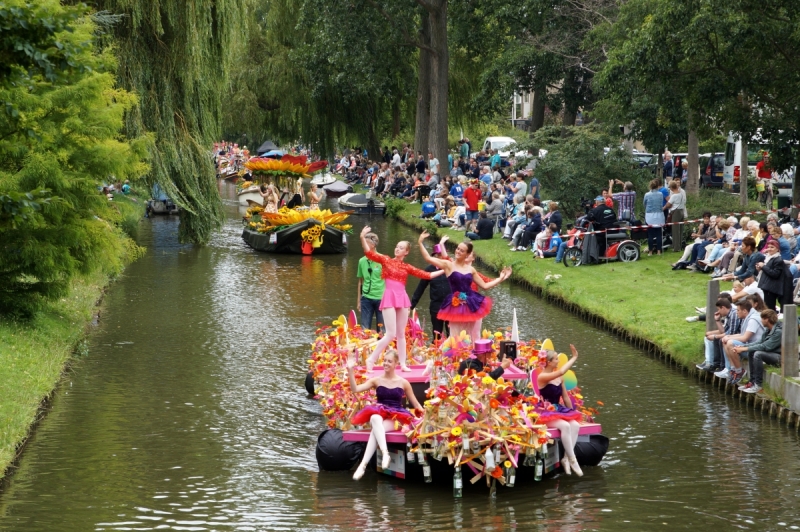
[370, 289]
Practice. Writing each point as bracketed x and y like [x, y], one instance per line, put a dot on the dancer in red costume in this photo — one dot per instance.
[563, 417]
[395, 302]
[466, 307]
[390, 389]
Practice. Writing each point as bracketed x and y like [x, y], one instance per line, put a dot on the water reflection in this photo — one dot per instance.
[189, 414]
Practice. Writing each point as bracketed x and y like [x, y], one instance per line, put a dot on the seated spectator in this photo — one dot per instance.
[553, 215]
[428, 208]
[484, 230]
[516, 216]
[744, 288]
[786, 229]
[748, 266]
[531, 229]
[704, 229]
[728, 324]
[519, 230]
[456, 170]
[494, 209]
[768, 351]
[713, 258]
[553, 245]
[751, 332]
[566, 241]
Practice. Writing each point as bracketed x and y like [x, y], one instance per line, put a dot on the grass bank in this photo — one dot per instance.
[34, 353]
[644, 299]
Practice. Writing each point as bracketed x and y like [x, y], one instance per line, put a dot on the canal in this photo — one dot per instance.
[189, 414]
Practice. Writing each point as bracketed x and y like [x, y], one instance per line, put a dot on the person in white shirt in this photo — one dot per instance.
[395, 159]
[433, 164]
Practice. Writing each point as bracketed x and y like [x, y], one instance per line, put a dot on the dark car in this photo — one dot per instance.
[711, 169]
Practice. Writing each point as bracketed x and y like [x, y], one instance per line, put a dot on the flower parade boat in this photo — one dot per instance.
[475, 430]
[361, 204]
[286, 172]
[299, 231]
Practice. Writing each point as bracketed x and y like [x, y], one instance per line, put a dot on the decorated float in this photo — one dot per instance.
[296, 230]
[475, 430]
[286, 173]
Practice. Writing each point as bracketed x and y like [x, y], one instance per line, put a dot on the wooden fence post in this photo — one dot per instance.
[711, 304]
[789, 356]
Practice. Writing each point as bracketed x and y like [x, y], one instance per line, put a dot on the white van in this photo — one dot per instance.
[501, 144]
[732, 172]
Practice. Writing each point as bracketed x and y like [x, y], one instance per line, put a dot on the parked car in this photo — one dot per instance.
[500, 144]
[712, 166]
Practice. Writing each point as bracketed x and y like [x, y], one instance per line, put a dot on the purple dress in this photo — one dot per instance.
[390, 406]
[465, 304]
[552, 393]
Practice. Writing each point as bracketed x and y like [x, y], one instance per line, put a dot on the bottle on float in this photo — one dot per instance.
[426, 470]
[537, 475]
[511, 475]
[474, 446]
[490, 463]
[458, 484]
[410, 457]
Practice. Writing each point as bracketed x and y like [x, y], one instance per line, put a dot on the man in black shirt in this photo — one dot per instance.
[484, 229]
[421, 164]
[602, 217]
[440, 291]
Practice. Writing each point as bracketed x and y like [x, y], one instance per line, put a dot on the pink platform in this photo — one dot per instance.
[415, 375]
[398, 437]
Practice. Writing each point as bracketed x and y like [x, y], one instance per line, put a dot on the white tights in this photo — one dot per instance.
[569, 434]
[473, 329]
[395, 319]
[377, 438]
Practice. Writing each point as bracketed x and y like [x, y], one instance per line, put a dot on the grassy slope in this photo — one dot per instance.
[33, 354]
[646, 298]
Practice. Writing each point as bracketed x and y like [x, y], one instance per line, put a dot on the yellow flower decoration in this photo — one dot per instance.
[456, 431]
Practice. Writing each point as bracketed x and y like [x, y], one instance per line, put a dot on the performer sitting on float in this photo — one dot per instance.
[395, 302]
[466, 307]
[389, 389]
[482, 349]
[563, 417]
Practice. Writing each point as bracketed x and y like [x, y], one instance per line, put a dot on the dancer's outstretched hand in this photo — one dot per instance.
[574, 351]
[351, 358]
[366, 230]
[423, 236]
[444, 239]
[506, 273]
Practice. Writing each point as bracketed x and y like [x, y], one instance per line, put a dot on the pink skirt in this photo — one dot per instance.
[394, 295]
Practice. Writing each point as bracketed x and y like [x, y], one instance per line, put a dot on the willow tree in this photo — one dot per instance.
[175, 54]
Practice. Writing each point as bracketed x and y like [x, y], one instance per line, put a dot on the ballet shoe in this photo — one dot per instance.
[386, 460]
[565, 465]
[575, 467]
[359, 472]
[405, 368]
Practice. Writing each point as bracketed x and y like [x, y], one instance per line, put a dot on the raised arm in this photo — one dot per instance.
[478, 279]
[544, 378]
[351, 363]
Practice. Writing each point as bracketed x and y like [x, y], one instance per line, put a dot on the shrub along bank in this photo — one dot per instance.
[34, 352]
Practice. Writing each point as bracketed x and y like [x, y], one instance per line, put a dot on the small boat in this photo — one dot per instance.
[361, 204]
[337, 188]
[250, 193]
[323, 179]
[160, 203]
[290, 239]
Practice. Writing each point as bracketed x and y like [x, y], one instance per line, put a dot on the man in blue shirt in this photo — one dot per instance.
[486, 176]
[457, 191]
[668, 167]
[494, 160]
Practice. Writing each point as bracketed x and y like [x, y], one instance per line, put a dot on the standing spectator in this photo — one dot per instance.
[463, 149]
[518, 187]
[775, 278]
[684, 172]
[395, 159]
[535, 187]
[495, 160]
[421, 164]
[626, 199]
[433, 163]
[370, 289]
[654, 218]
[668, 167]
[472, 196]
[676, 207]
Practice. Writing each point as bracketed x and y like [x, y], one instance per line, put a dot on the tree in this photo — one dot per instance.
[176, 55]
[59, 141]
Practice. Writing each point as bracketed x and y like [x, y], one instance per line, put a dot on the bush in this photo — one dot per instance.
[576, 166]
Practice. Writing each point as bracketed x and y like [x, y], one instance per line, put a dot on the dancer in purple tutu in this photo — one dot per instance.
[561, 415]
[466, 308]
[390, 389]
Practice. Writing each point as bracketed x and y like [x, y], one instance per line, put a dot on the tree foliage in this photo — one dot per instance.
[576, 166]
[59, 146]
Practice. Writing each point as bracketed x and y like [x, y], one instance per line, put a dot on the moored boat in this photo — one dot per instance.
[251, 193]
[361, 204]
[337, 189]
[323, 179]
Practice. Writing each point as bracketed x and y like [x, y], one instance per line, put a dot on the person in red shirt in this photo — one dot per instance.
[471, 197]
[764, 176]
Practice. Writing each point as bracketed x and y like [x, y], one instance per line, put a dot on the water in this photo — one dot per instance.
[189, 414]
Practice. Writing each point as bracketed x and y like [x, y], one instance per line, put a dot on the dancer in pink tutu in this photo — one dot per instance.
[390, 389]
[395, 302]
[466, 308]
[563, 417]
